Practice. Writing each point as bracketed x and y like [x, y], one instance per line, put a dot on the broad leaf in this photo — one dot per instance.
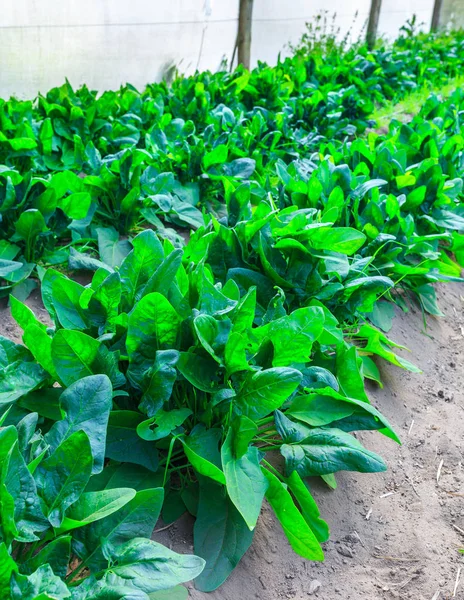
[137, 518]
[123, 443]
[76, 355]
[62, 477]
[87, 404]
[112, 250]
[56, 554]
[153, 566]
[246, 484]
[41, 584]
[265, 391]
[325, 451]
[93, 506]
[299, 534]
[308, 506]
[220, 535]
[153, 326]
[201, 448]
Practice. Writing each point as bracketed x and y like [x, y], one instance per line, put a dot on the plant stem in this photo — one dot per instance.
[179, 468]
[264, 439]
[266, 430]
[273, 470]
[265, 421]
[168, 460]
[269, 448]
[32, 549]
[175, 455]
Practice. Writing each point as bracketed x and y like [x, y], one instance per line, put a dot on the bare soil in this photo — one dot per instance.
[395, 534]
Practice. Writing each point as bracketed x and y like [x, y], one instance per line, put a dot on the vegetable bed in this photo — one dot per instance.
[245, 245]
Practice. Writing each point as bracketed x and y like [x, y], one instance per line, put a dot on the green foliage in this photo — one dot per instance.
[150, 382]
[77, 169]
[67, 533]
[190, 365]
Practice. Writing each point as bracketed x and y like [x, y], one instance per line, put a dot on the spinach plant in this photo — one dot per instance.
[208, 387]
[67, 529]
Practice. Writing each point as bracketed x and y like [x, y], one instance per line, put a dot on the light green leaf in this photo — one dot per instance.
[345, 240]
[244, 431]
[64, 298]
[23, 315]
[162, 424]
[29, 226]
[308, 506]
[177, 593]
[265, 391]
[7, 567]
[76, 355]
[41, 584]
[217, 156]
[299, 534]
[76, 206]
[153, 325]
[40, 345]
[201, 448]
[93, 506]
[112, 250]
[140, 264]
[246, 484]
[294, 335]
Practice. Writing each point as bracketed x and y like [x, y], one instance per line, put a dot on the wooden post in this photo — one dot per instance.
[373, 23]
[436, 15]
[244, 32]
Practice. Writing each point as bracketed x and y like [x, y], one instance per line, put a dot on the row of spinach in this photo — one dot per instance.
[399, 195]
[176, 378]
[252, 339]
[81, 162]
[203, 383]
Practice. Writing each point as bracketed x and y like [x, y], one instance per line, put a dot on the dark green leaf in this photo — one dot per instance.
[221, 536]
[246, 485]
[56, 554]
[87, 404]
[326, 451]
[153, 566]
[61, 478]
[137, 518]
[124, 444]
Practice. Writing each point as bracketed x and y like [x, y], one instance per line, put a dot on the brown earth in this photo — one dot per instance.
[395, 534]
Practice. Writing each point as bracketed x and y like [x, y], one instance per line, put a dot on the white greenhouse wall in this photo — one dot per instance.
[106, 43]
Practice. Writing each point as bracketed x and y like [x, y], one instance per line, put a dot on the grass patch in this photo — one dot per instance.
[411, 105]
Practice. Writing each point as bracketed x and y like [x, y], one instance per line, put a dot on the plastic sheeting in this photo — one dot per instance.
[106, 43]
